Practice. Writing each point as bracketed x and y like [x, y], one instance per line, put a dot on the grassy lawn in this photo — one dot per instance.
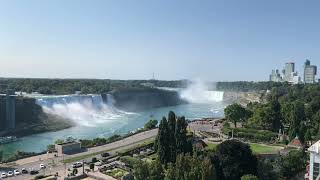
[256, 148]
[116, 173]
[211, 147]
[262, 149]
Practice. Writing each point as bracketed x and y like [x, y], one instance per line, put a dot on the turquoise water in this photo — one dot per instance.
[116, 125]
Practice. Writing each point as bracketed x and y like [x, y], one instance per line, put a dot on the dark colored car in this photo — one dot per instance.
[24, 171]
[33, 172]
[105, 154]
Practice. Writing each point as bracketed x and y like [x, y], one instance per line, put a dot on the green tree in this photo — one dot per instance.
[1, 156]
[59, 141]
[208, 170]
[51, 148]
[91, 166]
[235, 113]
[170, 173]
[316, 121]
[151, 124]
[262, 118]
[275, 114]
[235, 159]
[286, 109]
[141, 171]
[156, 171]
[249, 177]
[162, 140]
[172, 138]
[297, 121]
[266, 171]
[181, 135]
[292, 164]
[187, 167]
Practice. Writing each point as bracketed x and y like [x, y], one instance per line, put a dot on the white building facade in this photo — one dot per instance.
[314, 165]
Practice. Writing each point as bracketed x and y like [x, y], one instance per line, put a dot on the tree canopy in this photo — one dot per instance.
[235, 113]
[235, 159]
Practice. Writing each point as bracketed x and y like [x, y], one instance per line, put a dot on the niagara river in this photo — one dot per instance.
[95, 118]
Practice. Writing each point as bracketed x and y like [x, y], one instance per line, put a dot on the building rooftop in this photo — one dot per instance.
[315, 147]
[296, 143]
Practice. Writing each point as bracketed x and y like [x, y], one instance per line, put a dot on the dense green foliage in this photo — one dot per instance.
[268, 170]
[190, 168]
[292, 164]
[86, 86]
[245, 86]
[172, 138]
[20, 155]
[249, 177]
[235, 160]
[151, 124]
[252, 135]
[235, 113]
[129, 161]
[186, 167]
[295, 110]
[148, 171]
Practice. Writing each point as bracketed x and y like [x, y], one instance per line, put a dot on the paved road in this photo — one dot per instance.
[54, 164]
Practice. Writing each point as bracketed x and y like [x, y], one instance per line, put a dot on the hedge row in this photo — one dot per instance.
[251, 134]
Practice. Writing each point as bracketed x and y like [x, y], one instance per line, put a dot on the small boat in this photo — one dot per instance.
[7, 139]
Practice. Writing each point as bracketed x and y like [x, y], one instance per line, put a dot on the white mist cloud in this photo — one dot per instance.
[88, 111]
[198, 92]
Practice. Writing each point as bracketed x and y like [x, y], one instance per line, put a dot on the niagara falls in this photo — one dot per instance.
[95, 116]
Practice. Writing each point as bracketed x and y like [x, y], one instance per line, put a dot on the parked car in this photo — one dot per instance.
[77, 165]
[105, 154]
[33, 172]
[42, 166]
[98, 163]
[24, 171]
[16, 172]
[10, 174]
[3, 175]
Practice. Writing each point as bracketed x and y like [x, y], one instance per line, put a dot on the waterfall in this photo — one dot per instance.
[86, 110]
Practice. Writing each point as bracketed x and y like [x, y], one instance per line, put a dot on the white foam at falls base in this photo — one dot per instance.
[202, 96]
[85, 110]
[197, 92]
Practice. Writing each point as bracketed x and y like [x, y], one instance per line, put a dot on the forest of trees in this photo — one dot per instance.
[245, 86]
[94, 86]
[86, 86]
[230, 160]
[178, 160]
[293, 109]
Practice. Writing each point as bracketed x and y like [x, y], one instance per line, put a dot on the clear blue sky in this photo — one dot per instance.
[175, 39]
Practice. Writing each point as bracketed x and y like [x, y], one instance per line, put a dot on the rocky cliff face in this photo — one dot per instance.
[242, 98]
[144, 99]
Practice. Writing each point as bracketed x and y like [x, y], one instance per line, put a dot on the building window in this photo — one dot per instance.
[316, 168]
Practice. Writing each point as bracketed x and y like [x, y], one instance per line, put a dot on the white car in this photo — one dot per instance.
[77, 165]
[99, 163]
[10, 174]
[42, 166]
[16, 172]
[3, 175]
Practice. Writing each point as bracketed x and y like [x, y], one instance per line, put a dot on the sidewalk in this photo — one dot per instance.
[98, 175]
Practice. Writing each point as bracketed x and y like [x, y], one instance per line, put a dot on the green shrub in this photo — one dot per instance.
[130, 161]
[251, 134]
